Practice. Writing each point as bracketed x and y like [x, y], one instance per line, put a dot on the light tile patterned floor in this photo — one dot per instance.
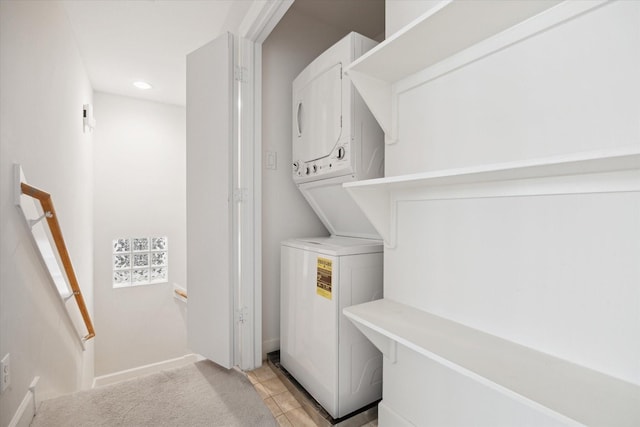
[282, 404]
[279, 400]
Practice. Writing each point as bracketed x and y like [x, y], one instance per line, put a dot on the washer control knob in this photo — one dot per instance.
[307, 171]
[315, 168]
[296, 166]
[341, 153]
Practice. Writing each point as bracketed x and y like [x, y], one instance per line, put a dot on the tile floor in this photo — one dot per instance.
[283, 405]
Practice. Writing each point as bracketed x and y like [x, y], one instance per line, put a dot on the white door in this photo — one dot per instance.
[319, 97]
[210, 89]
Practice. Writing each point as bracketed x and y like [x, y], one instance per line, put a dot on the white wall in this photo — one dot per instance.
[398, 13]
[43, 85]
[294, 43]
[140, 190]
[545, 96]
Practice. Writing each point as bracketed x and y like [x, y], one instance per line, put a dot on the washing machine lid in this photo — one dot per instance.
[336, 245]
[336, 209]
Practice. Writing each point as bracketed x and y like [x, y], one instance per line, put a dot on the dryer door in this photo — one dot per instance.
[317, 116]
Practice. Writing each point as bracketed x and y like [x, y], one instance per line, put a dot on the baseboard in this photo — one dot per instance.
[270, 345]
[27, 409]
[152, 368]
[389, 417]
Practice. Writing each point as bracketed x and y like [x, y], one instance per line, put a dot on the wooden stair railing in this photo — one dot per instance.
[56, 232]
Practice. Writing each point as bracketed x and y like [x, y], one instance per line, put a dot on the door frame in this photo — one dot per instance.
[260, 20]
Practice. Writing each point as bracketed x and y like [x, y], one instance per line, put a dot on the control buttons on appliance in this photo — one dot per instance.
[341, 153]
[315, 168]
[296, 166]
[307, 171]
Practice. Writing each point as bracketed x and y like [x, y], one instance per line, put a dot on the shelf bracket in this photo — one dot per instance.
[377, 95]
[386, 345]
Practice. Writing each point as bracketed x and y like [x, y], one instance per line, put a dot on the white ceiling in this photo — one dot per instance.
[125, 41]
[122, 41]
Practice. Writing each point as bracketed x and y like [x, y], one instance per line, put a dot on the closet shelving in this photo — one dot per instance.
[552, 385]
[557, 387]
[448, 33]
[594, 172]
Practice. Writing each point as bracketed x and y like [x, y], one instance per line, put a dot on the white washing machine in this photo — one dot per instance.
[319, 346]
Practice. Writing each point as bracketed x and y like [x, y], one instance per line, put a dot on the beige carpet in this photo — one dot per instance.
[200, 394]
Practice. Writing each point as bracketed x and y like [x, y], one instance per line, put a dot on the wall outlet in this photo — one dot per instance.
[5, 373]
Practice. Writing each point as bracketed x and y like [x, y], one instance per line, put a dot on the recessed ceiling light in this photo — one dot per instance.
[142, 85]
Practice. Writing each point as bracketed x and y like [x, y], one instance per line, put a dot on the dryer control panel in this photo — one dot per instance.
[333, 132]
[337, 163]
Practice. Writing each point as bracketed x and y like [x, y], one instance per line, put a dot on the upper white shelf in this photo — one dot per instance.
[555, 386]
[443, 32]
[571, 174]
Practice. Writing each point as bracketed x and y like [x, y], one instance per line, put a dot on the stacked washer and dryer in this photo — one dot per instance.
[335, 140]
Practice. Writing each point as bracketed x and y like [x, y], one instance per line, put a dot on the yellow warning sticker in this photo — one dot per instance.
[323, 287]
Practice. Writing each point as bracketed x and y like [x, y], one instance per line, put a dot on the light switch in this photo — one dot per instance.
[271, 160]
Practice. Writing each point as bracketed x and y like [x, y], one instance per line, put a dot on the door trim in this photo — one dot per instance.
[258, 23]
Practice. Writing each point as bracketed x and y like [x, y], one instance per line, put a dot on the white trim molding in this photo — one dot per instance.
[152, 368]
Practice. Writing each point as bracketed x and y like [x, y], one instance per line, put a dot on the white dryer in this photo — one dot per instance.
[336, 139]
[319, 346]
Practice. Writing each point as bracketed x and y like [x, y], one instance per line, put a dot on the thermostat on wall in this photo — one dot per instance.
[88, 121]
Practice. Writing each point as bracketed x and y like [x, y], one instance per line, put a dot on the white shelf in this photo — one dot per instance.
[553, 385]
[443, 32]
[601, 171]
